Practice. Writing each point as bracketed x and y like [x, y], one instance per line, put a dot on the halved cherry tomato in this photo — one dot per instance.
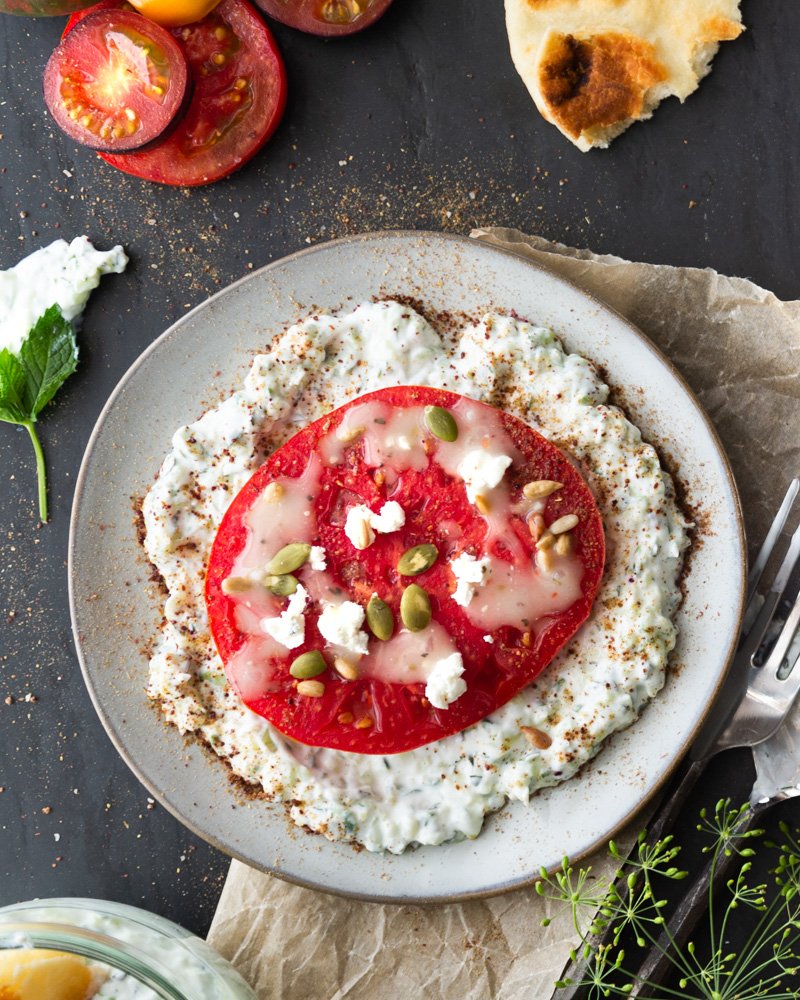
[116, 82]
[237, 103]
[367, 713]
[174, 13]
[326, 17]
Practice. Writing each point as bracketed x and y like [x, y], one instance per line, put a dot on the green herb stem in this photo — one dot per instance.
[41, 473]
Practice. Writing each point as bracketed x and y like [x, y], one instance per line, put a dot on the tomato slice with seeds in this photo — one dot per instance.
[375, 450]
[237, 102]
[326, 17]
[116, 82]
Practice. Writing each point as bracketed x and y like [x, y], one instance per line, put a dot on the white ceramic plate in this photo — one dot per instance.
[116, 609]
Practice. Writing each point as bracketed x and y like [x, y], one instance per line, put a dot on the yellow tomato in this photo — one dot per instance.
[34, 974]
[173, 13]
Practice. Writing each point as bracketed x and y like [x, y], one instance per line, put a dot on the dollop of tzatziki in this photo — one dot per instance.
[597, 685]
[62, 274]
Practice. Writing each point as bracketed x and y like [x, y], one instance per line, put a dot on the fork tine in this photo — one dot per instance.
[783, 644]
[768, 698]
[755, 634]
[777, 526]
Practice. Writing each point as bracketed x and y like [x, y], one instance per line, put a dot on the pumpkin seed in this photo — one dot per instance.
[565, 523]
[540, 488]
[415, 608]
[417, 559]
[441, 423]
[237, 585]
[289, 558]
[311, 689]
[306, 665]
[282, 586]
[380, 618]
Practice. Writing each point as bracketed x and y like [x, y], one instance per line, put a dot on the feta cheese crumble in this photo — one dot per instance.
[317, 559]
[340, 625]
[289, 628]
[445, 683]
[470, 573]
[361, 523]
[482, 471]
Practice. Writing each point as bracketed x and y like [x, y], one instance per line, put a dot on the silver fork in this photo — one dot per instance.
[754, 702]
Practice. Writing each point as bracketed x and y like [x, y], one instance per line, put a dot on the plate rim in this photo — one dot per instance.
[455, 239]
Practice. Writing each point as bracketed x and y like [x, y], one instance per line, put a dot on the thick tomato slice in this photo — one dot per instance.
[237, 102]
[506, 634]
[116, 82]
[326, 17]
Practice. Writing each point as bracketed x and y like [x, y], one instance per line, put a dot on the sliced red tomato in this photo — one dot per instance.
[237, 102]
[326, 17]
[116, 82]
[384, 711]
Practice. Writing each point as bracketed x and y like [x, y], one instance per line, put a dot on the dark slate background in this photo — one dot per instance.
[420, 123]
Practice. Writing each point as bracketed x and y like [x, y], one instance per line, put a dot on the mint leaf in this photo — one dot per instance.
[13, 385]
[30, 379]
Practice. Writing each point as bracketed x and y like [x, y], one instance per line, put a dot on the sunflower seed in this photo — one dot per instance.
[363, 535]
[415, 608]
[536, 526]
[348, 434]
[564, 544]
[545, 560]
[289, 558]
[565, 523]
[273, 493]
[311, 689]
[536, 737]
[540, 488]
[345, 668]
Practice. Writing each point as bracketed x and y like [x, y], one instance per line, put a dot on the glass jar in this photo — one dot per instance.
[149, 958]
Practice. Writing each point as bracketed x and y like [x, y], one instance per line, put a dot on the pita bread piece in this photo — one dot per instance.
[594, 67]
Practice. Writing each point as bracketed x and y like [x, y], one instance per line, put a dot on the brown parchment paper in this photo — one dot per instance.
[739, 348]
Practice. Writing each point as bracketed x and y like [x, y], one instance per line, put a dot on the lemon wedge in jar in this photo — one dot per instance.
[37, 974]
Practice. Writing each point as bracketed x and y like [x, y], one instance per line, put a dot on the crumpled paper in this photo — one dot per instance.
[738, 346]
